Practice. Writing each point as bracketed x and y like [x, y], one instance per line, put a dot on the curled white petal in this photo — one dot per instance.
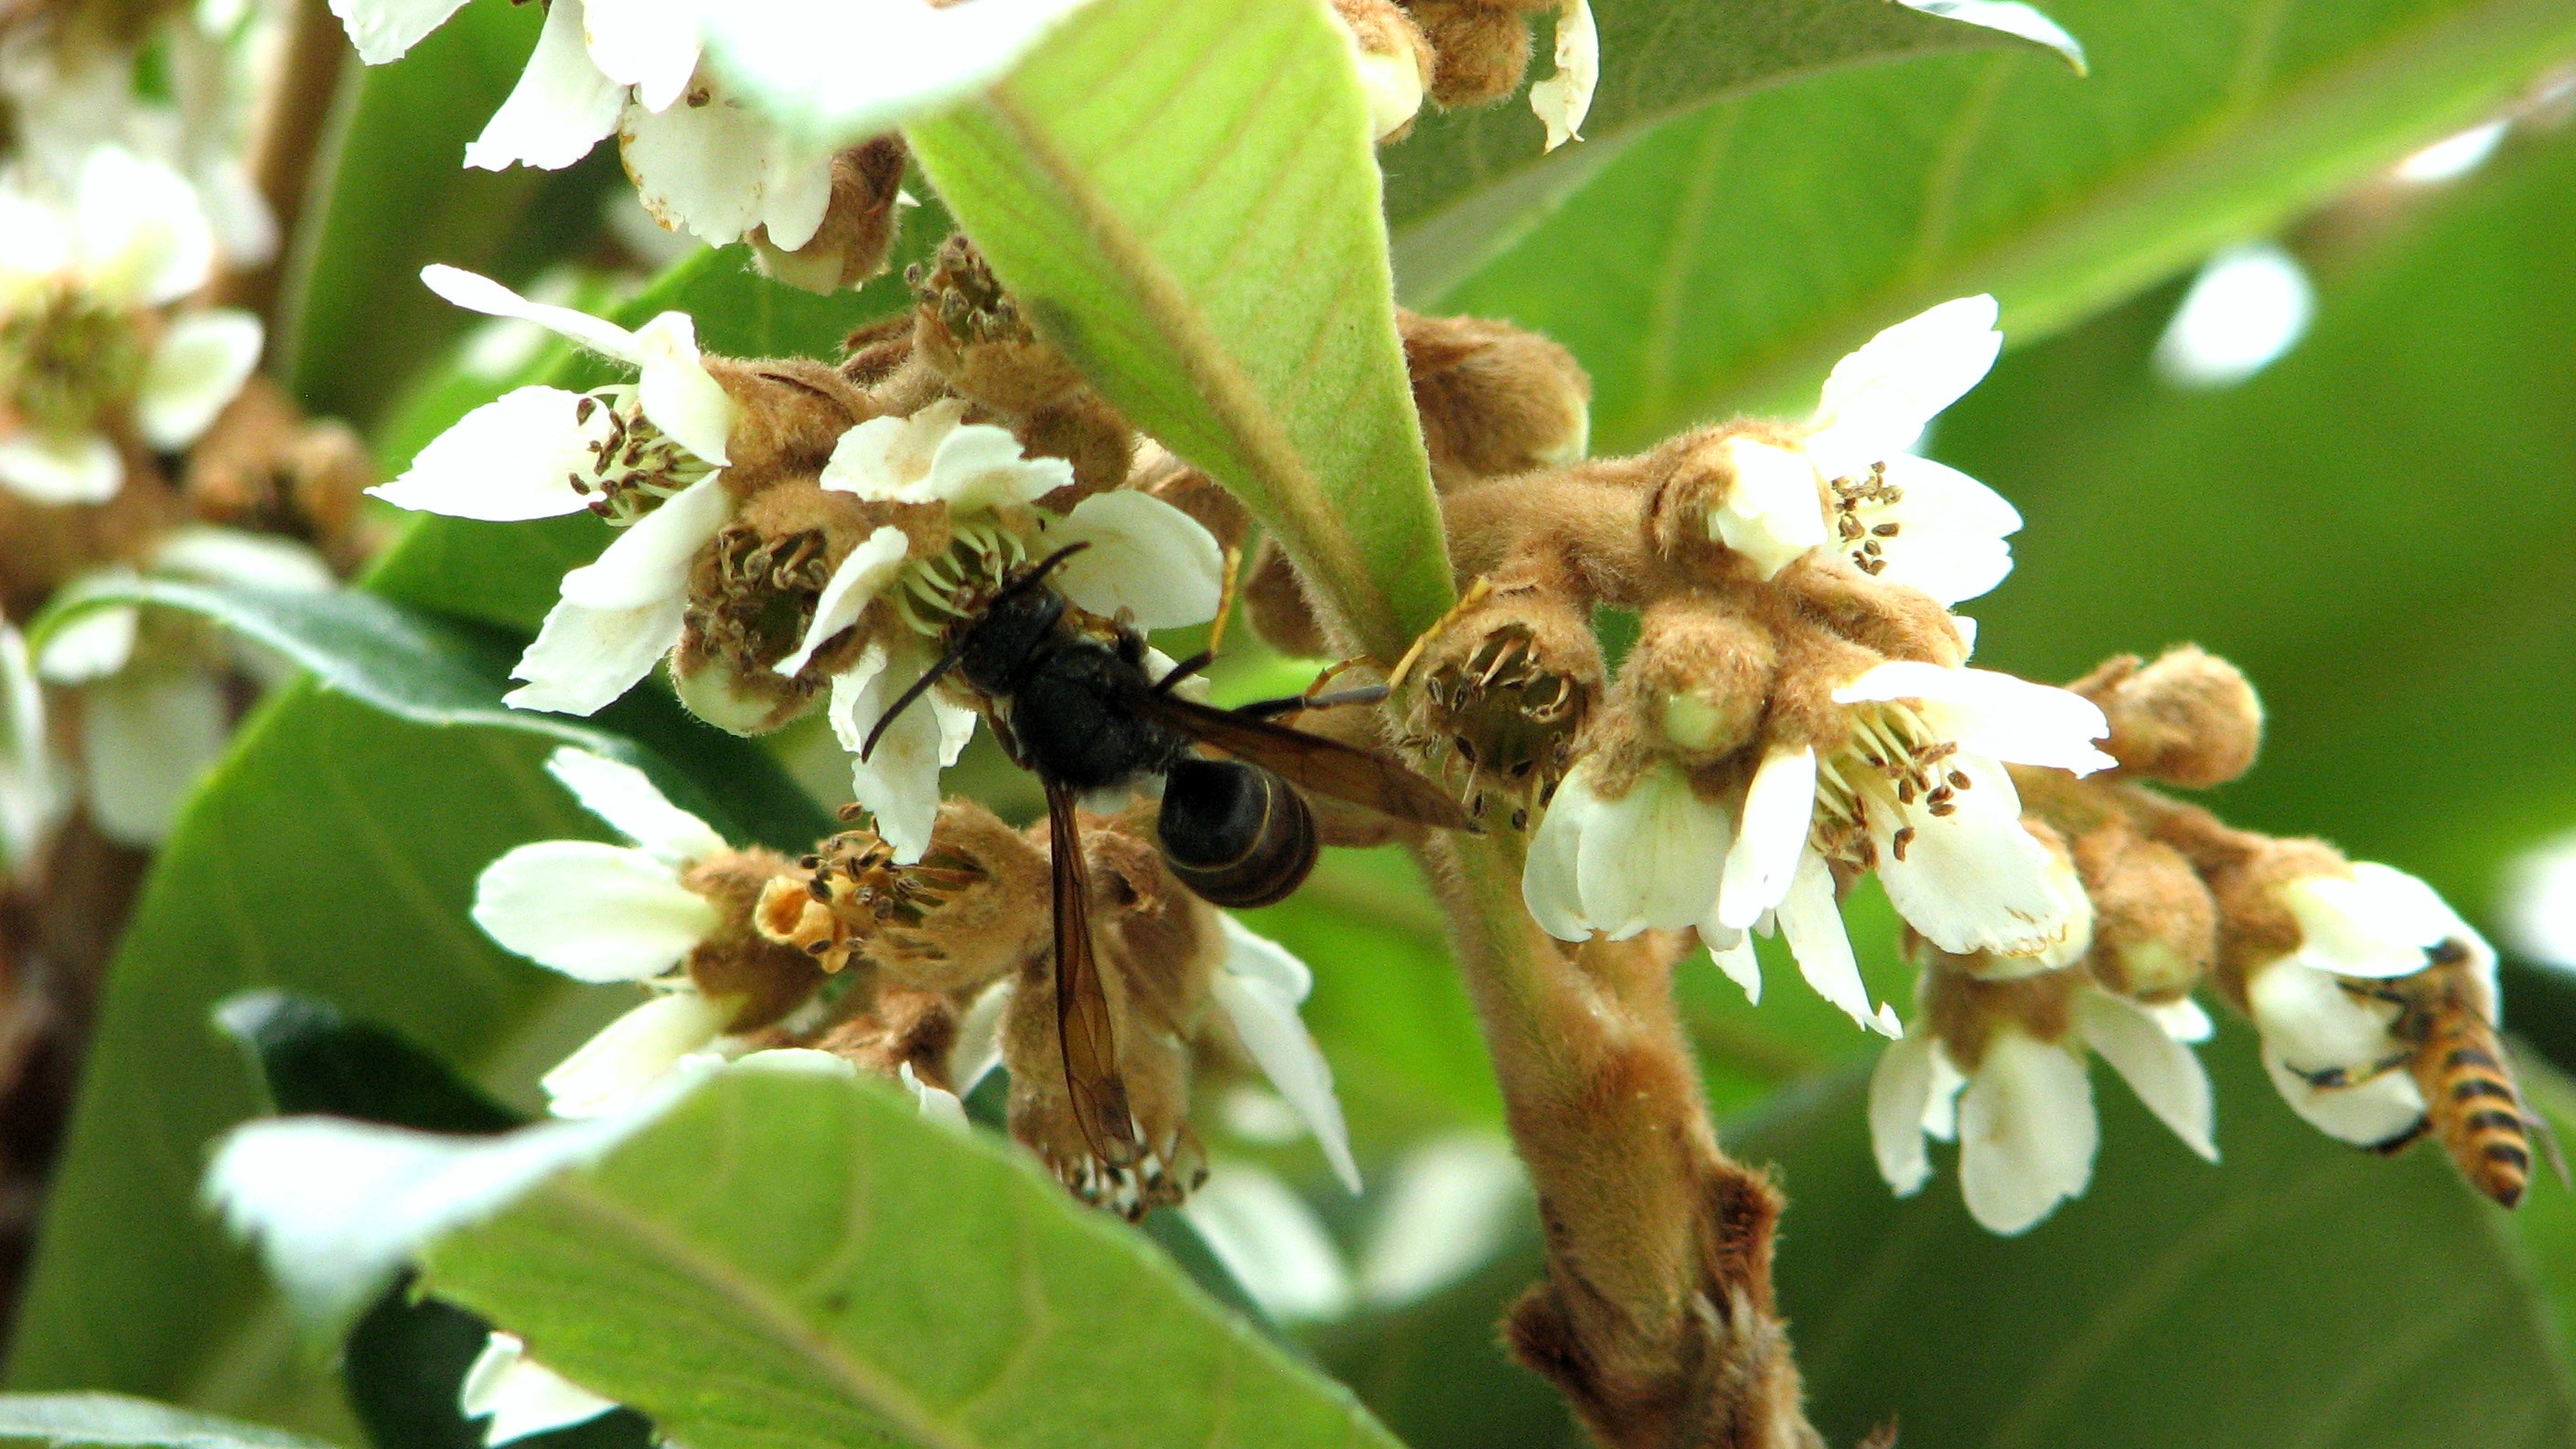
[90, 645]
[2379, 923]
[649, 562]
[978, 1048]
[898, 782]
[1992, 714]
[1878, 399]
[1976, 880]
[853, 586]
[561, 107]
[677, 392]
[619, 1068]
[1813, 924]
[2183, 1020]
[1261, 986]
[1950, 533]
[60, 469]
[584, 658]
[1652, 858]
[720, 169]
[628, 800]
[1773, 514]
[511, 459]
[1900, 1090]
[1735, 958]
[936, 1104]
[2366, 1113]
[1549, 886]
[482, 294]
[383, 29]
[196, 369]
[651, 45]
[2027, 1133]
[1145, 556]
[521, 1396]
[1564, 98]
[593, 912]
[1777, 809]
[2162, 1071]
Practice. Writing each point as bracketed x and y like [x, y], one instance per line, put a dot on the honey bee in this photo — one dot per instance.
[2471, 1101]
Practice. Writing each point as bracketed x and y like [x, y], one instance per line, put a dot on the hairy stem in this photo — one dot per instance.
[1656, 1317]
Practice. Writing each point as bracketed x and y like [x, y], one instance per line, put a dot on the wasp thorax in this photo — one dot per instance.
[761, 980]
[70, 361]
[1495, 400]
[859, 222]
[2189, 719]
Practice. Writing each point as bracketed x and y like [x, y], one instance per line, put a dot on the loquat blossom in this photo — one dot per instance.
[90, 365]
[1846, 480]
[1564, 97]
[522, 1397]
[646, 457]
[2328, 1041]
[1140, 557]
[153, 687]
[2017, 1096]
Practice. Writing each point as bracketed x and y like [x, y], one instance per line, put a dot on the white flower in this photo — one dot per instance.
[1272, 1244]
[643, 457]
[1901, 518]
[77, 290]
[1565, 97]
[2024, 1117]
[521, 1396]
[1260, 986]
[1142, 558]
[842, 73]
[602, 913]
[155, 711]
[2327, 1042]
[717, 168]
[1649, 859]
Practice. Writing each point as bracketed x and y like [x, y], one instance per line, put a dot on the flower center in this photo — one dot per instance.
[633, 464]
[1895, 762]
[954, 584]
[69, 360]
[768, 589]
[1856, 502]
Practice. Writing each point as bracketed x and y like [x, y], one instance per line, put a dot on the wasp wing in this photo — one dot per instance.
[1310, 762]
[1085, 1034]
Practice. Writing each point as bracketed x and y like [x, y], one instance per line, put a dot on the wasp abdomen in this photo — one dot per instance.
[1235, 833]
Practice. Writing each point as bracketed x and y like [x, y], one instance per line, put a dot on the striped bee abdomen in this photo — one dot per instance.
[2470, 1096]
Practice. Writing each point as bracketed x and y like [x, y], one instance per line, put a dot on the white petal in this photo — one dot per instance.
[2366, 1114]
[2027, 1133]
[2183, 1020]
[1777, 809]
[242, 560]
[1548, 884]
[584, 658]
[1941, 1108]
[936, 1104]
[2012, 17]
[1272, 1243]
[899, 782]
[1653, 857]
[677, 392]
[143, 237]
[1773, 514]
[921, 59]
[2381, 922]
[979, 467]
[31, 795]
[521, 1396]
[1391, 84]
[651, 45]
[561, 107]
[978, 1048]
[1736, 959]
[1879, 398]
[1900, 1089]
[383, 29]
[1146, 557]
[1975, 880]
[593, 912]
[854, 585]
[482, 294]
[628, 800]
[631, 1055]
[722, 168]
[2162, 1071]
[1951, 529]
[91, 645]
[1564, 98]
[1813, 924]
[147, 737]
[1450, 1206]
[2317, 1027]
[58, 470]
[649, 561]
[197, 369]
[511, 459]
[1992, 714]
[1260, 987]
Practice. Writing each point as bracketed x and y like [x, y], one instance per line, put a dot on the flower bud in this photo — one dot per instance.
[1736, 499]
[859, 222]
[1394, 62]
[973, 333]
[264, 468]
[2189, 719]
[1494, 400]
[2255, 923]
[2155, 927]
[1700, 676]
[1480, 49]
[789, 413]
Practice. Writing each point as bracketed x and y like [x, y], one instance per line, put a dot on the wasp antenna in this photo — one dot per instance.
[1038, 571]
[918, 688]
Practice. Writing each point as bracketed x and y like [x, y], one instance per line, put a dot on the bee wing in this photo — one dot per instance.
[1085, 1034]
[1310, 762]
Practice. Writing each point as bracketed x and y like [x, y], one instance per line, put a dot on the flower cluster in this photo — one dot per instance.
[932, 973]
[791, 534]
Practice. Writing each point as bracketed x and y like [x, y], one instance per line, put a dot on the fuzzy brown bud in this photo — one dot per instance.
[1481, 49]
[1700, 675]
[1494, 400]
[859, 222]
[264, 468]
[2189, 719]
[2155, 927]
[763, 979]
[2255, 926]
[790, 414]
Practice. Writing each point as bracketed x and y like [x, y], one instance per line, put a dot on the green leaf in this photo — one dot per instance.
[931, 1287]
[1466, 184]
[1182, 196]
[2299, 1292]
[1727, 260]
[112, 1421]
[310, 1058]
[395, 197]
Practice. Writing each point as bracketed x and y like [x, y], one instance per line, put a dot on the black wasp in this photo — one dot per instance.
[1069, 697]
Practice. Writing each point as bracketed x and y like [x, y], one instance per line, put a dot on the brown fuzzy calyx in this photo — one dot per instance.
[1479, 50]
[1965, 1007]
[2255, 928]
[2189, 719]
[1700, 676]
[1494, 400]
[859, 222]
[265, 468]
[1505, 688]
[2155, 926]
[737, 963]
[790, 414]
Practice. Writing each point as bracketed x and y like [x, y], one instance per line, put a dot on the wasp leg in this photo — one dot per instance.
[2403, 1140]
